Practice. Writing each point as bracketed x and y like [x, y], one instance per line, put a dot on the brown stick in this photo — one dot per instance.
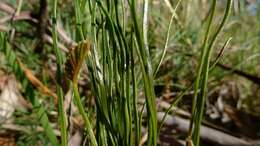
[6, 8]
[248, 76]
[42, 25]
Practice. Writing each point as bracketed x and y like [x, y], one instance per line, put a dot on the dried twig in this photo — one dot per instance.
[6, 8]
[42, 25]
[248, 76]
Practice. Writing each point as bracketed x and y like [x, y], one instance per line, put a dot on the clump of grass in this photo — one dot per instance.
[112, 71]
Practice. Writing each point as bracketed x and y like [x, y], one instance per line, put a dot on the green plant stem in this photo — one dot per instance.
[134, 87]
[167, 39]
[84, 115]
[75, 80]
[199, 72]
[147, 73]
[202, 78]
[78, 19]
[205, 77]
[61, 112]
[173, 104]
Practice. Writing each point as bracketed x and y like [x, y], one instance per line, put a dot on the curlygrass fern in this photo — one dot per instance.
[73, 66]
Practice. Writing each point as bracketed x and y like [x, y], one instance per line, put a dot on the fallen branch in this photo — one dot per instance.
[207, 134]
[165, 105]
[6, 8]
[248, 76]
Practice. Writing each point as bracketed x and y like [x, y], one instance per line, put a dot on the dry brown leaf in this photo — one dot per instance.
[37, 83]
[189, 141]
[76, 139]
[7, 141]
[8, 102]
[9, 97]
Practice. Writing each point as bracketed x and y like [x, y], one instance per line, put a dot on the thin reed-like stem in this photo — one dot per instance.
[147, 73]
[84, 115]
[203, 73]
[61, 111]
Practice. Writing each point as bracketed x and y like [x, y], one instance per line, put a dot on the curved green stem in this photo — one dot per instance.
[199, 72]
[202, 78]
[84, 115]
[167, 39]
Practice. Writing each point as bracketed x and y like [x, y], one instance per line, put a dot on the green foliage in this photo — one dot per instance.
[40, 111]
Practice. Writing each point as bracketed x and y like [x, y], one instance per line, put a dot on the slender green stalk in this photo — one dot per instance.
[173, 104]
[17, 11]
[147, 74]
[134, 87]
[215, 62]
[73, 67]
[123, 15]
[167, 39]
[80, 106]
[205, 76]
[61, 112]
[202, 78]
[84, 115]
[199, 72]
[79, 19]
